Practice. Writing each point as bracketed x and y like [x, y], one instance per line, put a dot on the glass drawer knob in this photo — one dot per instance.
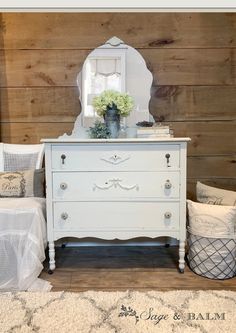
[168, 184]
[63, 186]
[168, 215]
[64, 216]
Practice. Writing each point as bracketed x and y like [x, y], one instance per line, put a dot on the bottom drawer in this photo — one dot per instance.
[75, 216]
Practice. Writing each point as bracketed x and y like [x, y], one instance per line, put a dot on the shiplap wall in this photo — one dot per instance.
[192, 57]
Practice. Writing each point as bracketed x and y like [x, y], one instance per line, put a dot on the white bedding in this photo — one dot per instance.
[22, 243]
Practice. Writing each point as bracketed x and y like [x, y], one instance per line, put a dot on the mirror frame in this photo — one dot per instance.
[140, 92]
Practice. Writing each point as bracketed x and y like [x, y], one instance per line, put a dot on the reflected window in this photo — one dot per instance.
[101, 73]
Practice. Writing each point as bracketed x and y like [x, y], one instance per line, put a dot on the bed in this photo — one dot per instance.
[22, 224]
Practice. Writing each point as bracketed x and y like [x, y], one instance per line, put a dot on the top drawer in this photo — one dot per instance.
[109, 157]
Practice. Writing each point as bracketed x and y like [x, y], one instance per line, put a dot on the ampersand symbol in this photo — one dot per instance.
[176, 316]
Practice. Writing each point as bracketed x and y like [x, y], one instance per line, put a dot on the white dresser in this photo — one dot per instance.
[120, 188]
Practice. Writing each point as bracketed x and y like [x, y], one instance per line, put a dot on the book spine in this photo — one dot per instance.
[153, 135]
[162, 131]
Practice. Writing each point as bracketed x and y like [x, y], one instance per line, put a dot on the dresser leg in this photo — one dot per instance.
[52, 265]
[181, 256]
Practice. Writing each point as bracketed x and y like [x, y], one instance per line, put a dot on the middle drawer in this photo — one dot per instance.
[114, 185]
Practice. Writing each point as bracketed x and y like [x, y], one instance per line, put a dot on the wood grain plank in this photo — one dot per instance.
[32, 132]
[208, 138]
[191, 66]
[170, 103]
[211, 167]
[41, 67]
[156, 280]
[88, 30]
[122, 279]
[39, 104]
[185, 103]
[169, 67]
[218, 285]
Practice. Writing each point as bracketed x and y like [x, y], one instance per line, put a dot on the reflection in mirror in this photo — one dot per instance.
[117, 66]
[100, 72]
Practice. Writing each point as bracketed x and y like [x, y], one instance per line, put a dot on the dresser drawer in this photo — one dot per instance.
[76, 216]
[111, 157]
[115, 185]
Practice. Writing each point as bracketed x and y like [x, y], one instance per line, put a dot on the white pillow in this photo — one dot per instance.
[28, 183]
[215, 196]
[211, 220]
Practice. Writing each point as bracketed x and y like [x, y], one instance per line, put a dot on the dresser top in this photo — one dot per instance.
[123, 140]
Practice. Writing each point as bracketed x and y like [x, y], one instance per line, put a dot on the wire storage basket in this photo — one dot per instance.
[214, 258]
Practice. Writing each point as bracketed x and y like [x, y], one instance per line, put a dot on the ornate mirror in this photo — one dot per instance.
[116, 66]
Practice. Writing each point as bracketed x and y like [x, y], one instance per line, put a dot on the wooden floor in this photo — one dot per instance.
[120, 268]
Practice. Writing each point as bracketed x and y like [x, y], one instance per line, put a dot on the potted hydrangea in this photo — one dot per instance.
[111, 105]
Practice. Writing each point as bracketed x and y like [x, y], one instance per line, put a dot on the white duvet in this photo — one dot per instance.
[22, 243]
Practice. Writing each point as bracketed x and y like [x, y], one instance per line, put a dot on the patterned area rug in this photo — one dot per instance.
[118, 312]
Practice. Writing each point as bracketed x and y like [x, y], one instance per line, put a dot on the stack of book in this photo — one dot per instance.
[156, 131]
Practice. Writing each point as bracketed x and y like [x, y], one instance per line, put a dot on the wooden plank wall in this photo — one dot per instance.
[192, 57]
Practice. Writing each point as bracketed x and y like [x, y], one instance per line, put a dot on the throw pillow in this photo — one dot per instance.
[211, 220]
[19, 162]
[215, 196]
[28, 183]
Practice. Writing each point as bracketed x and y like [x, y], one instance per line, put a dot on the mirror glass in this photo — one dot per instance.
[116, 66]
